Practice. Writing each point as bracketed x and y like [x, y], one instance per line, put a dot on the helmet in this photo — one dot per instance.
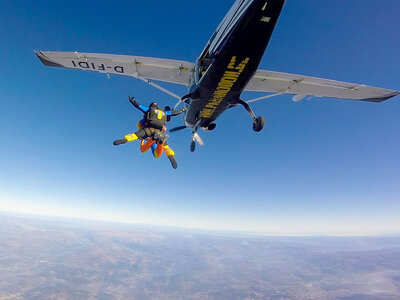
[154, 104]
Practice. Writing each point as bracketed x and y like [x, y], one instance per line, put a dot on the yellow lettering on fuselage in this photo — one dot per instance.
[225, 85]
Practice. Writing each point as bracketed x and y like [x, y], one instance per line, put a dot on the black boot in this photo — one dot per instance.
[119, 142]
[173, 161]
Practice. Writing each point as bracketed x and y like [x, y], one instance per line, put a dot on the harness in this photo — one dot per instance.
[155, 118]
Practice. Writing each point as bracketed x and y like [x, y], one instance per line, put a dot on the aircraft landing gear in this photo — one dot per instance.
[193, 146]
[258, 122]
[210, 127]
[195, 139]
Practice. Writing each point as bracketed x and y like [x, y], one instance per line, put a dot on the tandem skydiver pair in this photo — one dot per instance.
[152, 130]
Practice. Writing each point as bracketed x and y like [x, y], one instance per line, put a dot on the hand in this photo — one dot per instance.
[133, 101]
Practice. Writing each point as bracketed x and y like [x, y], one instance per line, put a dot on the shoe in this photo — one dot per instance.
[173, 161]
[119, 142]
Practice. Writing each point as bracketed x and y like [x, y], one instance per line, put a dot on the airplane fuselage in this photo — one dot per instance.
[230, 59]
[227, 66]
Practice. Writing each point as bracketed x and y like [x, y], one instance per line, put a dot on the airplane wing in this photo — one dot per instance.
[303, 86]
[167, 70]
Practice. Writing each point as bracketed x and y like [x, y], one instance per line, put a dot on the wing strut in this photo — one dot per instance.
[179, 102]
[267, 96]
[157, 86]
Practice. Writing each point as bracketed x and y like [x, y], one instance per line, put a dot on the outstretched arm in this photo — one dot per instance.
[174, 112]
[136, 104]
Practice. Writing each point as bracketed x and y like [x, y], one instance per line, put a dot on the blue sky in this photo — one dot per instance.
[322, 166]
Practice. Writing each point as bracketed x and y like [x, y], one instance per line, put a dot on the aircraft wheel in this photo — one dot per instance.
[211, 126]
[192, 146]
[258, 124]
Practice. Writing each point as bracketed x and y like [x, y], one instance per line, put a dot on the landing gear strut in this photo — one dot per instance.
[196, 138]
[193, 146]
[258, 122]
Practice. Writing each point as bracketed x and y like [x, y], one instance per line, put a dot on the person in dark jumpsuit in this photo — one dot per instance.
[151, 130]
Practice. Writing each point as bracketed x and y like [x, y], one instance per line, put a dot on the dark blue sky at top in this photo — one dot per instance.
[321, 165]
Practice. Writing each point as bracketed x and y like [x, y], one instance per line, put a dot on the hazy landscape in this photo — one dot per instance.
[50, 258]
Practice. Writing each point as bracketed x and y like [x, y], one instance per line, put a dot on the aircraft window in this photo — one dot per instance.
[204, 64]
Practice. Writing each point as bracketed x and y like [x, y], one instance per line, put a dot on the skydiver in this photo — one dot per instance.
[151, 130]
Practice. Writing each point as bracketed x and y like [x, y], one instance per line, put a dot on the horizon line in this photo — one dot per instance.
[205, 230]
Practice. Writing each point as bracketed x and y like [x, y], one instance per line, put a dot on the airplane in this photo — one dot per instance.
[226, 67]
